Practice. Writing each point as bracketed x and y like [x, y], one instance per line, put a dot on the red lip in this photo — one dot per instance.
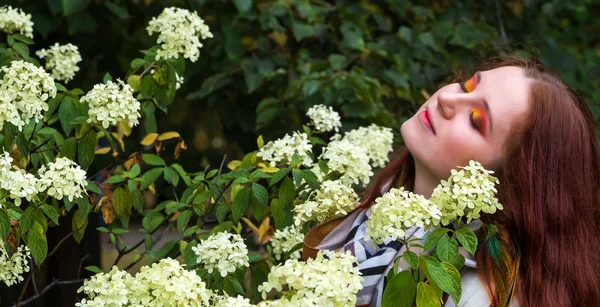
[425, 118]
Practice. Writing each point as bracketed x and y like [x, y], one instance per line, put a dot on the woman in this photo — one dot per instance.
[519, 119]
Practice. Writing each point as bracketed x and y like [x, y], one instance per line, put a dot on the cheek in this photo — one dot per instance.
[461, 145]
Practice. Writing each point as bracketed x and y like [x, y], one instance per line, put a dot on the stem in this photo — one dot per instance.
[55, 282]
[153, 64]
[124, 252]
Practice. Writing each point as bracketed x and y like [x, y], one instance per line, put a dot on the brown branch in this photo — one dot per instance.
[55, 282]
[156, 239]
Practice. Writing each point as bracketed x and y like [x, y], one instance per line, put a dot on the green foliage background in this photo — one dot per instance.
[375, 61]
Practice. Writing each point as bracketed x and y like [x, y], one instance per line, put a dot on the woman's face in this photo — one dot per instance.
[467, 121]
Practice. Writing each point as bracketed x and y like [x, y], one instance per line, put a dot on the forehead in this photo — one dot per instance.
[506, 90]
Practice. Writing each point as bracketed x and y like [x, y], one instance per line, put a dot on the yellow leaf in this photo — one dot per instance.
[119, 139]
[168, 135]
[129, 163]
[249, 42]
[252, 226]
[148, 2]
[152, 189]
[103, 150]
[279, 38]
[149, 139]
[269, 170]
[234, 164]
[264, 227]
[260, 142]
[182, 245]
[135, 82]
[124, 128]
[425, 94]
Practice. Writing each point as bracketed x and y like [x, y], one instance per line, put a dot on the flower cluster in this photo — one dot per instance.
[324, 119]
[377, 141]
[13, 267]
[330, 279]
[111, 103]
[165, 283]
[349, 159]
[62, 177]
[467, 192]
[178, 33]
[24, 89]
[284, 240]
[16, 182]
[230, 301]
[283, 149]
[332, 199]
[15, 20]
[61, 60]
[396, 211]
[223, 251]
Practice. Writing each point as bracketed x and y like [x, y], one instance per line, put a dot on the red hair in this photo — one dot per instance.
[549, 186]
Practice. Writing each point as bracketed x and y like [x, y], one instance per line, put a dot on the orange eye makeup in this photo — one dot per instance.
[469, 85]
[478, 118]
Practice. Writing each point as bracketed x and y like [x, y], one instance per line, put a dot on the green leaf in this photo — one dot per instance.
[337, 61]
[221, 213]
[152, 220]
[311, 178]
[121, 12]
[243, 6]
[260, 193]
[93, 269]
[444, 277]
[456, 281]
[67, 111]
[69, 148]
[467, 239]
[73, 6]
[169, 175]
[211, 84]
[287, 192]
[400, 291]
[447, 249]
[107, 77]
[240, 204]
[83, 204]
[51, 213]
[4, 225]
[36, 241]
[151, 176]
[60, 87]
[183, 219]
[22, 38]
[202, 197]
[154, 160]
[411, 259]
[280, 174]
[78, 225]
[86, 149]
[432, 239]
[428, 40]
[302, 30]
[310, 87]
[278, 214]
[182, 174]
[21, 49]
[426, 296]
[123, 201]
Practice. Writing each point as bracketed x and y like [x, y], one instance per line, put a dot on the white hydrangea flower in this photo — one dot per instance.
[107, 289]
[332, 199]
[230, 301]
[467, 192]
[24, 90]
[15, 20]
[165, 283]
[377, 141]
[18, 183]
[223, 251]
[324, 119]
[179, 82]
[283, 149]
[349, 159]
[179, 33]
[284, 240]
[61, 60]
[62, 178]
[111, 103]
[396, 211]
[12, 267]
[169, 284]
[330, 279]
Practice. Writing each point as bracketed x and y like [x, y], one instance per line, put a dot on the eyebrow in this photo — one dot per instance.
[485, 103]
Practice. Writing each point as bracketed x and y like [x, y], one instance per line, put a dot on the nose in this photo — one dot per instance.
[447, 104]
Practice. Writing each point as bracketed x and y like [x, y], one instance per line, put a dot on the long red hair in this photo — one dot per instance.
[550, 189]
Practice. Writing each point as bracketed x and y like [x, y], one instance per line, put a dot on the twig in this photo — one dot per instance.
[81, 265]
[40, 146]
[129, 250]
[33, 282]
[147, 69]
[156, 239]
[175, 193]
[501, 22]
[55, 282]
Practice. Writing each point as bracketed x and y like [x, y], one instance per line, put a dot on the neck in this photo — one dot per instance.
[425, 182]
